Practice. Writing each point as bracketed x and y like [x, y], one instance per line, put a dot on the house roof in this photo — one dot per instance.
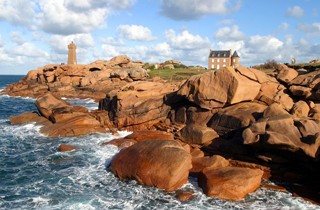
[219, 53]
[235, 54]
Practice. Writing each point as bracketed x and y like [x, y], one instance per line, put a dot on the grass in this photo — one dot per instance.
[307, 66]
[177, 74]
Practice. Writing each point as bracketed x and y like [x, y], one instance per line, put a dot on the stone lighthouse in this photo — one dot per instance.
[72, 56]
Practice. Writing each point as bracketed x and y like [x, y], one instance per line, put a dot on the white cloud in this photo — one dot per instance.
[284, 26]
[58, 19]
[194, 9]
[230, 33]
[112, 41]
[59, 43]
[135, 32]
[17, 38]
[108, 52]
[1, 42]
[226, 21]
[186, 40]
[311, 29]
[80, 5]
[20, 12]
[118, 4]
[295, 11]
[60, 16]
[28, 49]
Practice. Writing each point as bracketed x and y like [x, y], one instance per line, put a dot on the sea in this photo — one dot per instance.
[35, 175]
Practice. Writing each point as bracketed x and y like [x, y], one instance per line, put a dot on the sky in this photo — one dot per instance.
[34, 33]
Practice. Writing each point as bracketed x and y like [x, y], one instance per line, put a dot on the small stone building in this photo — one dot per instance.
[222, 58]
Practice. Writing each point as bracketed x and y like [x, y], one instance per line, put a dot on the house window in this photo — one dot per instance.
[218, 60]
[224, 65]
[218, 66]
[224, 60]
[212, 66]
[234, 60]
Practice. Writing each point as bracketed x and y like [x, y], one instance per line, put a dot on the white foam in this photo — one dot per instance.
[81, 206]
[40, 200]
[89, 103]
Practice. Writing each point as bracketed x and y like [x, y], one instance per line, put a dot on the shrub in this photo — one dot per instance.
[269, 64]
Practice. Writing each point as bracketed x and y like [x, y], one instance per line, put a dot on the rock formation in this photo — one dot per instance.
[164, 164]
[93, 80]
[257, 121]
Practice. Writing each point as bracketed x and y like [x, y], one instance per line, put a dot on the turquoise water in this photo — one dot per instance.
[34, 175]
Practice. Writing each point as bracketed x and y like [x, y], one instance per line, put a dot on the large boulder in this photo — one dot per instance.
[197, 134]
[307, 86]
[163, 164]
[137, 74]
[215, 161]
[300, 109]
[75, 126]
[138, 105]
[274, 92]
[285, 73]
[28, 117]
[48, 102]
[231, 183]
[217, 88]
[237, 116]
[119, 60]
[281, 133]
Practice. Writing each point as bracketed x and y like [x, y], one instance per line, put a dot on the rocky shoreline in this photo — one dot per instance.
[230, 128]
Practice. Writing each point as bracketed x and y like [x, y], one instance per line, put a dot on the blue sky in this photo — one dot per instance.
[34, 33]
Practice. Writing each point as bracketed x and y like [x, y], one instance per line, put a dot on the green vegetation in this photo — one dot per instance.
[177, 74]
[308, 66]
[268, 65]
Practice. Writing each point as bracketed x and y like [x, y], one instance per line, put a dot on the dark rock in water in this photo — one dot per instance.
[185, 195]
[164, 164]
[66, 148]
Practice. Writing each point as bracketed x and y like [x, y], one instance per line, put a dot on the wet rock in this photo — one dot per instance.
[185, 195]
[66, 148]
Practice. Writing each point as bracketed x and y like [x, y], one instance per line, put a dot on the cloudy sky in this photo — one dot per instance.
[36, 32]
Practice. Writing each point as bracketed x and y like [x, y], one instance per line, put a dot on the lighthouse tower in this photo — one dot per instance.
[72, 56]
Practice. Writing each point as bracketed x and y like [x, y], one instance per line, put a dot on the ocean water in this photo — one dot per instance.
[35, 175]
